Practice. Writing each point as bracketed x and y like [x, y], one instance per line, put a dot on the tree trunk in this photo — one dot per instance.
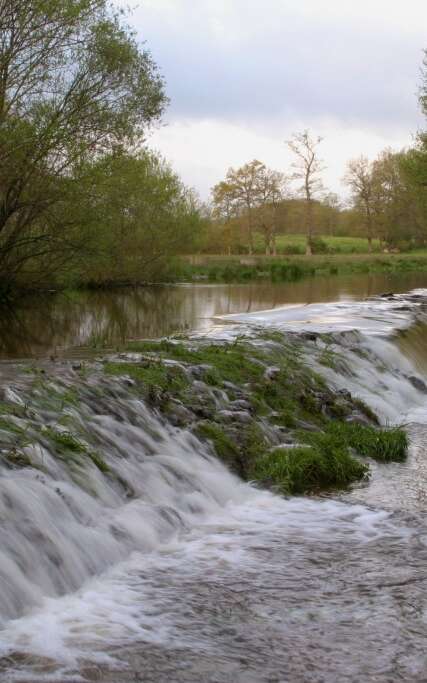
[273, 241]
[309, 225]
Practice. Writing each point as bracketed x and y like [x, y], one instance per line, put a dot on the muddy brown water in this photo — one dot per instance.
[87, 322]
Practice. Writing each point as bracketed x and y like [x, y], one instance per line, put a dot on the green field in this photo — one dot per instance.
[335, 245]
[289, 268]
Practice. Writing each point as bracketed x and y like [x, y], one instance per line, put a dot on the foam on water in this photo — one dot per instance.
[133, 601]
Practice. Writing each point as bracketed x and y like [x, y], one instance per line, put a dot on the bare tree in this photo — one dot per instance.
[359, 178]
[307, 169]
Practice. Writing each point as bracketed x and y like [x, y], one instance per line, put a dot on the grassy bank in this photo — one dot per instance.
[291, 268]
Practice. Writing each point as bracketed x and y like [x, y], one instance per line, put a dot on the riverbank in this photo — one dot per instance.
[290, 268]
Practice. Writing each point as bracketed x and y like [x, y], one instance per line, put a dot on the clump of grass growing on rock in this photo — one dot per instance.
[225, 448]
[386, 444]
[152, 374]
[239, 453]
[233, 362]
[305, 469]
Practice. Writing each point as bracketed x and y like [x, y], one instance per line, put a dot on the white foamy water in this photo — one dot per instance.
[175, 570]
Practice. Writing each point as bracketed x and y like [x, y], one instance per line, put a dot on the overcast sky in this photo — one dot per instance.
[242, 75]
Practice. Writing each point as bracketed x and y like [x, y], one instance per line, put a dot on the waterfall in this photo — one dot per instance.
[97, 552]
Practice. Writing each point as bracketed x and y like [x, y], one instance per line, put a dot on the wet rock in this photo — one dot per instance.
[285, 437]
[241, 416]
[200, 387]
[128, 381]
[199, 371]
[359, 418]
[201, 411]
[178, 414]
[229, 386]
[310, 336]
[272, 373]
[240, 404]
[418, 384]
[307, 426]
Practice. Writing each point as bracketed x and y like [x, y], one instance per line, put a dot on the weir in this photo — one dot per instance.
[132, 548]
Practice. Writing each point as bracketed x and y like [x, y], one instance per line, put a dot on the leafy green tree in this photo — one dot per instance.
[133, 216]
[252, 192]
[73, 85]
[399, 215]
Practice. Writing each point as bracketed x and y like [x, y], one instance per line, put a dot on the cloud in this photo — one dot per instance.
[254, 61]
[243, 74]
[205, 149]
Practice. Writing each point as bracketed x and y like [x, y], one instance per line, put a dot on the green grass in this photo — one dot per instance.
[296, 244]
[326, 461]
[225, 448]
[382, 444]
[154, 374]
[230, 362]
[69, 448]
[307, 469]
[292, 268]
[386, 444]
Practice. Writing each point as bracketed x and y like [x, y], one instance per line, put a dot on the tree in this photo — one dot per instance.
[251, 191]
[271, 190]
[134, 214]
[359, 178]
[307, 169]
[397, 201]
[73, 85]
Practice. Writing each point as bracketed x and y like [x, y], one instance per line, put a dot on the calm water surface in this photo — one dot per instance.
[93, 321]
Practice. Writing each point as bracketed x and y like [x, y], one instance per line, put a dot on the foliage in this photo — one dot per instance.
[135, 215]
[250, 194]
[74, 85]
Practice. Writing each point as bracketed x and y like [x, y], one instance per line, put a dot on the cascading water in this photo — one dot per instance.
[153, 563]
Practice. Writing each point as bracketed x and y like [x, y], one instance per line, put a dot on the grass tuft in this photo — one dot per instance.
[306, 469]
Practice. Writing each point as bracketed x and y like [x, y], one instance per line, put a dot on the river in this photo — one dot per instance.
[196, 576]
[80, 323]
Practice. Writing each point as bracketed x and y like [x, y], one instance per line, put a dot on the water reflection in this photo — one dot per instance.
[84, 321]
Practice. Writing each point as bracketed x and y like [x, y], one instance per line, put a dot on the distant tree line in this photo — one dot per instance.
[388, 199]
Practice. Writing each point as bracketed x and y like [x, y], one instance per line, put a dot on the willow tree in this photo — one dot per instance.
[73, 84]
[308, 167]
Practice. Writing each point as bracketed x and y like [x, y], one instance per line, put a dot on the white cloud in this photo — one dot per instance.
[203, 150]
[243, 74]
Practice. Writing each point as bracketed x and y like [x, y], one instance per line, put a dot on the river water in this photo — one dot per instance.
[84, 322]
[195, 576]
